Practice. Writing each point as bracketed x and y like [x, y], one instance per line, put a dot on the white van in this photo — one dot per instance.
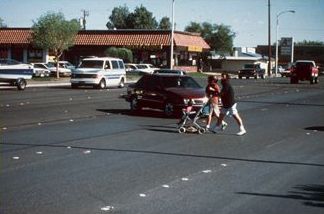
[100, 72]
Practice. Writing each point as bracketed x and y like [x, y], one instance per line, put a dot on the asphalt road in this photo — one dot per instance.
[82, 151]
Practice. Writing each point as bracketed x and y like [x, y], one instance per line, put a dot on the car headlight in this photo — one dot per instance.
[186, 101]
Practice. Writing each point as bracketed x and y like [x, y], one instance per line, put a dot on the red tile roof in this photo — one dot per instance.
[9, 36]
[15, 36]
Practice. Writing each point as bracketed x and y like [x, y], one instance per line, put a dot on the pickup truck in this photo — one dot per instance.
[251, 70]
[304, 70]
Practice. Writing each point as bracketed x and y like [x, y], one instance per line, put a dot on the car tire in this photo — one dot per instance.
[134, 105]
[169, 109]
[293, 80]
[121, 83]
[74, 86]
[102, 84]
[240, 77]
[21, 84]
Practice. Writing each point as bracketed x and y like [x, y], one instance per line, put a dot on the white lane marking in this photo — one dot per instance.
[4, 128]
[86, 152]
[142, 195]
[107, 208]
[185, 179]
[69, 147]
[307, 133]
[207, 171]
[16, 158]
[71, 99]
[224, 164]
[165, 186]
[39, 124]
[71, 120]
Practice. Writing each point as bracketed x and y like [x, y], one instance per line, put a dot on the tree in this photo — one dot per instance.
[310, 43]
[54, 33]
[2, 24]
[219, 37]
[122, 53]
[141, 18]
[165, 23]
[118, 18]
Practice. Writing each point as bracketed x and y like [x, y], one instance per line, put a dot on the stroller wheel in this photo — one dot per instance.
[182, 130]
[201, 131]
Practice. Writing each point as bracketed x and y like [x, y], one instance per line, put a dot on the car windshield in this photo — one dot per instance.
[179, 82]
[91, 64]
[141, 66]
[249, 66]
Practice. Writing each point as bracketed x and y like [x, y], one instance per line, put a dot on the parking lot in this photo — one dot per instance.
[81, 150]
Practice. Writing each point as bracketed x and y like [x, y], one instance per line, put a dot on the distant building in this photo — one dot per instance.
[148, 46]
[233, 63]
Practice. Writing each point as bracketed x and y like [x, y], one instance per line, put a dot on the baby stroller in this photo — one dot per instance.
[190, 119]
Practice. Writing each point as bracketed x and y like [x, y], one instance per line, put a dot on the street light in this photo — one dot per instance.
[172, 35]
[277, 27]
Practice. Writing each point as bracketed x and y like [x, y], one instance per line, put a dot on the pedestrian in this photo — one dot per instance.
[213, 92]
[229, 105]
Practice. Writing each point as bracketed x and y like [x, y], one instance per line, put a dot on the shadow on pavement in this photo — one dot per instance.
[311, 195]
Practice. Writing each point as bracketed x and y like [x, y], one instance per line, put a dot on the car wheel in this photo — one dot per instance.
[121, 83]
[293, 80]
[169, 109]
[74, 86]
[240, 77]
[102, 84]
[312, 80]
[134, 105]
[21, 84]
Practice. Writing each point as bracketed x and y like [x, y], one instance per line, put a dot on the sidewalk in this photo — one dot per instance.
[48, 83]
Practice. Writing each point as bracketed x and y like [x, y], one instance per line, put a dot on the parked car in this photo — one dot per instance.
[146, 68]
[99, 72]
[130, 67]
[251, 70]
[286, 71]
[169, 72]
[65, 68]
[169, 93]
[41, 70]
[15, 73]
[304, 70]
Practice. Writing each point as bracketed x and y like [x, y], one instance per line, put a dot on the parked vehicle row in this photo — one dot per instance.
[140, 68]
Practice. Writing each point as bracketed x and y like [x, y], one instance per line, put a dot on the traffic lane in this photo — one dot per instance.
[143, 160]
[222, 142]
[132, 180]
[58, 104]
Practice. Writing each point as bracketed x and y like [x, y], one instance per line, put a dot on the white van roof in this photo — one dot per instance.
[102, 58]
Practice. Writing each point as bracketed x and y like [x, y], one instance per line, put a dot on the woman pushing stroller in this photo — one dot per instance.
[213, 93]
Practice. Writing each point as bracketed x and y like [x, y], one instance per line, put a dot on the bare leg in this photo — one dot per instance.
[238, 119]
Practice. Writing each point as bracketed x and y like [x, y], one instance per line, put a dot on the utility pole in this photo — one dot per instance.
[85, 14]
[269, 40]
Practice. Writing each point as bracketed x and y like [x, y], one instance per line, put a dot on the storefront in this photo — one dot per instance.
[147, 46]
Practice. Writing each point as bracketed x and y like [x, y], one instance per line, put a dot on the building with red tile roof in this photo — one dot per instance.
[149, 46]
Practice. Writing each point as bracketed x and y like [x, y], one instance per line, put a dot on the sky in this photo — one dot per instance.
[247, 18]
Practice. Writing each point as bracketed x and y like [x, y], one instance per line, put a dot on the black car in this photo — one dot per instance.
[169, 93]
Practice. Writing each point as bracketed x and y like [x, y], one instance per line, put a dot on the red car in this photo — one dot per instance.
[169, 93]
[304, 70]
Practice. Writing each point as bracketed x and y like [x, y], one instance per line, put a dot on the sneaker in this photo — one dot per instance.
[224, 125]
[241, 132]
